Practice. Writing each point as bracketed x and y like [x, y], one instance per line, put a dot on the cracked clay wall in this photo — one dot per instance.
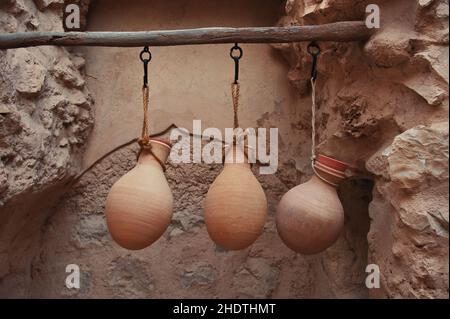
[382, 106]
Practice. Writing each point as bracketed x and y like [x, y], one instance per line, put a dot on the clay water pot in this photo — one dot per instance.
[310, 217]
[139, 205]
[235, 206]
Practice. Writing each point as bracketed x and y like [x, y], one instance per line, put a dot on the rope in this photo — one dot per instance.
[237, 138]
[313, 121]
[235, 91]
[145, 97]
[144, 140]
[313, 133]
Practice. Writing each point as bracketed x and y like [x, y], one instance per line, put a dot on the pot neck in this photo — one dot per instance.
[146, 158]
[236, 156]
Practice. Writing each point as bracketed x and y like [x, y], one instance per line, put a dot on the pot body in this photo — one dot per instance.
[310, 217]
[139, 205]
[235, 206]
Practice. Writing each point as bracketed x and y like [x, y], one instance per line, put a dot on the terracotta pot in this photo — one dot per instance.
[310, 216]
[139, 205]
[235, 206]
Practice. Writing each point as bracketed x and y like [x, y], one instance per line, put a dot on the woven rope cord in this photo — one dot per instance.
[144, 140]
[235, 91]
[145, 100]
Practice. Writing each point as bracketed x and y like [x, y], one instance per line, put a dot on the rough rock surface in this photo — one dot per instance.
[382, 106]
[413, 187]
[45, 117]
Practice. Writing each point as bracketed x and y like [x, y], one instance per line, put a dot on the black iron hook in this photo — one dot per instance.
[236, 59]
[146, 60]
[314, 50]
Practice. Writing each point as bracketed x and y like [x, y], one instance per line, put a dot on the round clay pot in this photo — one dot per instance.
[235, 206]
[139, 205]
[310, 217]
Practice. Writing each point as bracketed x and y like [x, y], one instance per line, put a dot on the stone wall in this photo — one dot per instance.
[45, 118]
[382, 106]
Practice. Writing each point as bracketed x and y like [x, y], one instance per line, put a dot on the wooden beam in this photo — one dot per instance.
[336, 32]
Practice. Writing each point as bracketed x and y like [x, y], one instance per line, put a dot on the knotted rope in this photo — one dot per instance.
[144, 141]
[239, 135]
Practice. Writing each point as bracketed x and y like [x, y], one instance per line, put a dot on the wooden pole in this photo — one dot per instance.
[336, 32]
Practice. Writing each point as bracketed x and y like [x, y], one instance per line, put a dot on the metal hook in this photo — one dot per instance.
[236, 59]
[314, 50]
[146, 61]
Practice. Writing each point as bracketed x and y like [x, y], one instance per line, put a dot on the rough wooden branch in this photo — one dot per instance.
[338, 32]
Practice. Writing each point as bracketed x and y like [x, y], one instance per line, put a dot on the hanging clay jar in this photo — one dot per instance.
[139, 205]
[310, 216]
[235, 206]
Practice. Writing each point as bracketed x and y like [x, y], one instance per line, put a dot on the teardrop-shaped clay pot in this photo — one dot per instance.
[310, 216]
[139, 205]
[235, 206]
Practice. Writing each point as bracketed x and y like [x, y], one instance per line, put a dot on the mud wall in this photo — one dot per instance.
[381, 107]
